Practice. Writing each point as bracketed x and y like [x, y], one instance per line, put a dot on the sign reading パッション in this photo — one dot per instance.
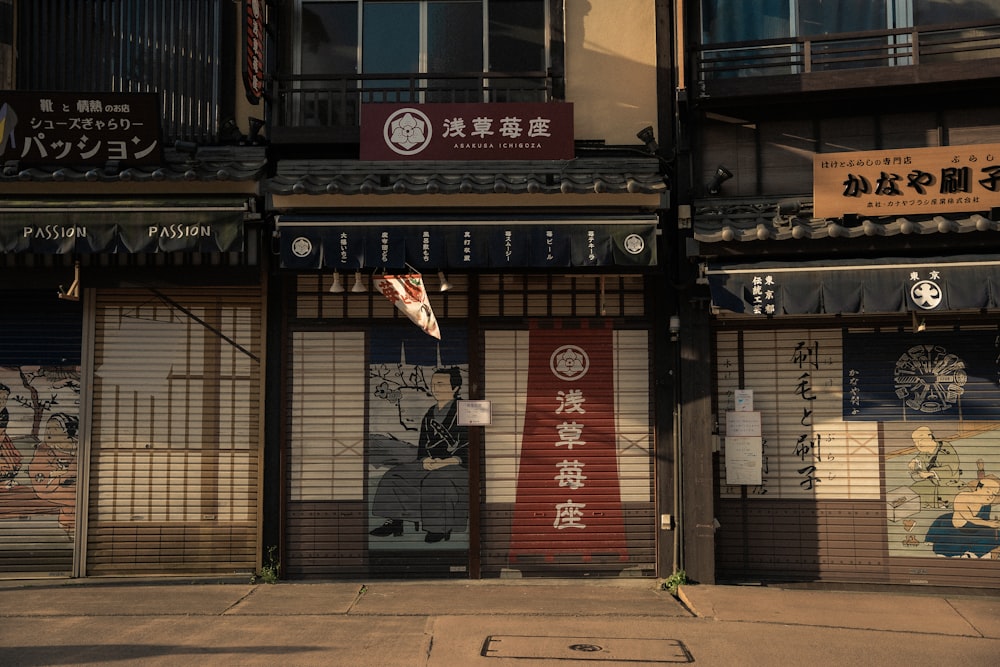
[79, 128]
[540, 131]
[914, 180]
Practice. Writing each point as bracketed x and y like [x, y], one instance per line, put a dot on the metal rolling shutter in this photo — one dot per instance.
[326, 524]
[506, 386]
[346, 406]
[841, 409]
[40, 343]
[176, 436]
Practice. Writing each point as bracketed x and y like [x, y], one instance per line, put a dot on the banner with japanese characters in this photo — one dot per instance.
[568, 500]
[912, 180]
[940, 375]
[407, 293]
[80, 128]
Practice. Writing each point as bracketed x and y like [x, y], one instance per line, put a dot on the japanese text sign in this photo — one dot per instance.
[915, 180]
[79, 128]
[539, 131]
[568, 489]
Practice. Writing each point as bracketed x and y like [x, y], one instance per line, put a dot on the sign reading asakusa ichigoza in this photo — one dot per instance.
[508, 131]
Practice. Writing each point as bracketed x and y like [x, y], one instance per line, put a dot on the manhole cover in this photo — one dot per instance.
[586, 648]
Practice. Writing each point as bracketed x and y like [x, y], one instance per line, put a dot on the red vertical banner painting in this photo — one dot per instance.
[568, 495]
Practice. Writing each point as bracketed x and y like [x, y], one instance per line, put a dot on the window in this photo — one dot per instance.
[780, 25]
[177, 48]
[468, 50]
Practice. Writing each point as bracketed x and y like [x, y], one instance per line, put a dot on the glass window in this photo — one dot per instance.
[957, 45]
[932, 12]
[390, 37]
[443, 37]
[329, 38]
[123, 45]
[517, 36]
[741, 21]
[825, 17]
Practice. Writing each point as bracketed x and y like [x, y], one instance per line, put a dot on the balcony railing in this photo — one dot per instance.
[328, 108]
[958, 46]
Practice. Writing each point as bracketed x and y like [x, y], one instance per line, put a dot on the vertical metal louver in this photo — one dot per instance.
[170, 47]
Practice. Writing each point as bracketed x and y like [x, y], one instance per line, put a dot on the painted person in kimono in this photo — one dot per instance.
[970, 531]
[935, 469]
[10, 457]
[432, 490]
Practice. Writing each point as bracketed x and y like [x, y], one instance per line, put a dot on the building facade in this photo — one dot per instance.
[358, 287]
[843, 213]
[480, 161]
[131, 378]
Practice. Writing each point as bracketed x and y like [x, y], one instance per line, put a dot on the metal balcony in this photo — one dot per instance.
[327, 109]
[845, 61]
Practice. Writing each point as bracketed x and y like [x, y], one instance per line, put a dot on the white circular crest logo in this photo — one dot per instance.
[634, 244]
[930, 379]
[569, 363]
[407, 131]
[926, 294]
[302, 247]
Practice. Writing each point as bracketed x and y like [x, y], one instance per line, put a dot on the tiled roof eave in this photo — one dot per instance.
[744, 222]
[211, 164]
[582, 176]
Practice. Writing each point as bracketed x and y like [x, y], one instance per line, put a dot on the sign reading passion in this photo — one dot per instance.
[540, 131]
[79, 128]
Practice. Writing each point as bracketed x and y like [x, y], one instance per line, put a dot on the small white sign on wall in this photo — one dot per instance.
[475, 413]
[744, 448]
[744, 400]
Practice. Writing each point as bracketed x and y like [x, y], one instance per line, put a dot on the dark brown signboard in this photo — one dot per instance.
[79, 128]
[539, 131]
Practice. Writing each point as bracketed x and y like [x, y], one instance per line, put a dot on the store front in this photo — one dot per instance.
[506, 428]
[130, 386]
[554, 371]
[873, 386]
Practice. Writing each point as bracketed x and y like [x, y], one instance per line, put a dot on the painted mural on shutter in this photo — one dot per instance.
[377, 466]
[555, 509]
[176, 432]
[881, 455]
[937, 396]
[39, 431]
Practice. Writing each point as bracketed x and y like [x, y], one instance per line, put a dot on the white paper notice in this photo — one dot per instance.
[742, 423]
[743, 399]
[744, 460]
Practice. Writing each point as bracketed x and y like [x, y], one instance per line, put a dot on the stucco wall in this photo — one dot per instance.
[611, 67]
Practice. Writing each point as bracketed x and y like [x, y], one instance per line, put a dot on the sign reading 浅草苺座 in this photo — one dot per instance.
[905, 181]
[502, 131]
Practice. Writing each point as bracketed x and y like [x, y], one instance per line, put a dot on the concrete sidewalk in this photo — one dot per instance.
[526, 623]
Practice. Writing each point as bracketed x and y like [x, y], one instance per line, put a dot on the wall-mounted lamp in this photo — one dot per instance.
[337, 287]
[721, 176]
[256, 125]
[359, 284]
[445, 285]
[919, 324]
[73, 293]
[674, 326]
[647, 137]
